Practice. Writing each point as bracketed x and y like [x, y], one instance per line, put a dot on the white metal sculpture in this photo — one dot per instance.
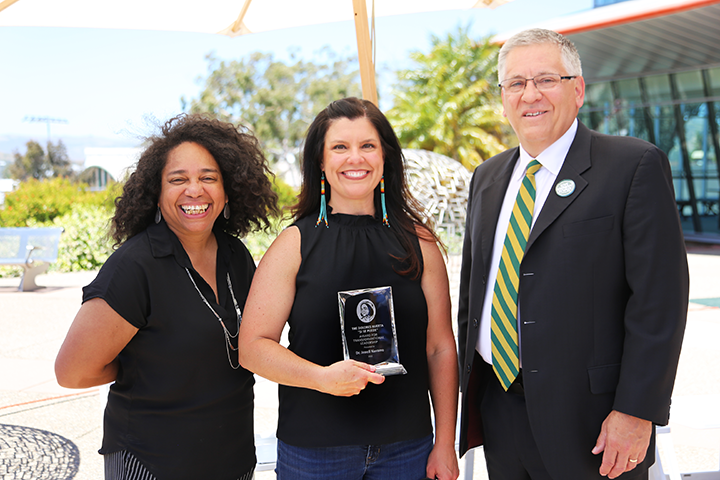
[441, 185]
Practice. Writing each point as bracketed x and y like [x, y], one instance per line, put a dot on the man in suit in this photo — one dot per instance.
[602, 287]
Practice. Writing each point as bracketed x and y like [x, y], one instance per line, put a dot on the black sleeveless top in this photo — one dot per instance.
[177, 404]
[355, 252]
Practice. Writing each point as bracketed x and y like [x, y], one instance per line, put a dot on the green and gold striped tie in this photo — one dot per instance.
[504, 332]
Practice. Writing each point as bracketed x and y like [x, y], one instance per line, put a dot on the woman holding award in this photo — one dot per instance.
[358, 236]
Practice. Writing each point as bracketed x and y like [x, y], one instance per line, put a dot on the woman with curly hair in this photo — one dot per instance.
[161, 318]
[357, 229]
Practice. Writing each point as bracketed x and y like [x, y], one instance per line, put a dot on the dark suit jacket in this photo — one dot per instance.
[603, 297]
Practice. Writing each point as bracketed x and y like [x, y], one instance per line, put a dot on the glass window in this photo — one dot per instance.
[629, 115]
[713, 155]
[714, 74]
[629, 91]
[658, 88]
[598, 95]
[638, 125]
[663, 119]
[690, 85]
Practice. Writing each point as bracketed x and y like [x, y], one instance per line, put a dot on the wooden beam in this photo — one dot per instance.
[6, 3]
[367, 69]
[239, 21]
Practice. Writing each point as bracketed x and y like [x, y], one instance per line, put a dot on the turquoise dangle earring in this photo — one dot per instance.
[323, 205]
[386, 222]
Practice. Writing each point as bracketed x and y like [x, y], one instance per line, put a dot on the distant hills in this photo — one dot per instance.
[9, 144]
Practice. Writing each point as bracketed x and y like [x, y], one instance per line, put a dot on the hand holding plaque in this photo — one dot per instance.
[367, 320]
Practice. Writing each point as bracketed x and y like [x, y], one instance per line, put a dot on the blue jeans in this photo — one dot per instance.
[395, 461]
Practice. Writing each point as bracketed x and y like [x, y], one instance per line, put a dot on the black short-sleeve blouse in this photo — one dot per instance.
[177, 403]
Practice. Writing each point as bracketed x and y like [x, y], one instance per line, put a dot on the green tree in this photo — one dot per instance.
[277, 100]
[448, 101]
[35, 164]
[59, 160]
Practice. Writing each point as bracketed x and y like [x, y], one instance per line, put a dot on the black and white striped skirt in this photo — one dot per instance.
[124, 466]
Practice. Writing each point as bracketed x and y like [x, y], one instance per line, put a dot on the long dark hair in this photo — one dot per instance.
[242, 165]
[402, 208]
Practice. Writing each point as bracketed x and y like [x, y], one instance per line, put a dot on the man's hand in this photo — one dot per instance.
[624, 439]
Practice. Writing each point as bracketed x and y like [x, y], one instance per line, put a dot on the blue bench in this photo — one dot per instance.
[31, 248]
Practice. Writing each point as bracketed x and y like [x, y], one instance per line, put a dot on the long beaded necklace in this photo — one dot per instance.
[228, 335]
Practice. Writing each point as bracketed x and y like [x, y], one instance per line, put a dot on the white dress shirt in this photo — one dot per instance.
[551, 159]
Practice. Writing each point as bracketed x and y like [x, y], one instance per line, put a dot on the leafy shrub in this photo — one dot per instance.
[259, 241]
[84, 245]
[38, 202]
[7, 271]
[83, 214]
[453, 242]
[287, 195]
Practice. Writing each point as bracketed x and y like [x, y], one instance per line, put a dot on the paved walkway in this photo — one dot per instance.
[49, 432]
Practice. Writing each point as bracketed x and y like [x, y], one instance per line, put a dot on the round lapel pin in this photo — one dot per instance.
[565, 188]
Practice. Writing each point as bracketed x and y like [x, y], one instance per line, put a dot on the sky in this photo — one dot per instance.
[111, 84]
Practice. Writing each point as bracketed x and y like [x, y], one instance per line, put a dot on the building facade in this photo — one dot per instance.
[678, 112]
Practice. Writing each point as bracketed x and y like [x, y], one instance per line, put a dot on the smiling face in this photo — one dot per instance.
[192, 194]
[540, 118]
[353, 164]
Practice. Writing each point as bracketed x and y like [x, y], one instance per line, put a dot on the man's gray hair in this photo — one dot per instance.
[538, 36]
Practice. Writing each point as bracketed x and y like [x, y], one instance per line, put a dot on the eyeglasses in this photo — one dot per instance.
[543, 82]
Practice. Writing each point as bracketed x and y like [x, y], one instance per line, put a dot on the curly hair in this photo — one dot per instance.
[404, 211]
[242, 164]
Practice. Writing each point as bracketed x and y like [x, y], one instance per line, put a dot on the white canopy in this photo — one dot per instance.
[227, 17]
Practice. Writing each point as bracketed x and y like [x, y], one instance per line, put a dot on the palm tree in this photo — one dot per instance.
[449, 102]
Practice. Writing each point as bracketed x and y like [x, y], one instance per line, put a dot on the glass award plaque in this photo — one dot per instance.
[367, 320]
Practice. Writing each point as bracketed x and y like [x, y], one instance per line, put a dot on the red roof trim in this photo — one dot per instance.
[638, 16]
[602, 17]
